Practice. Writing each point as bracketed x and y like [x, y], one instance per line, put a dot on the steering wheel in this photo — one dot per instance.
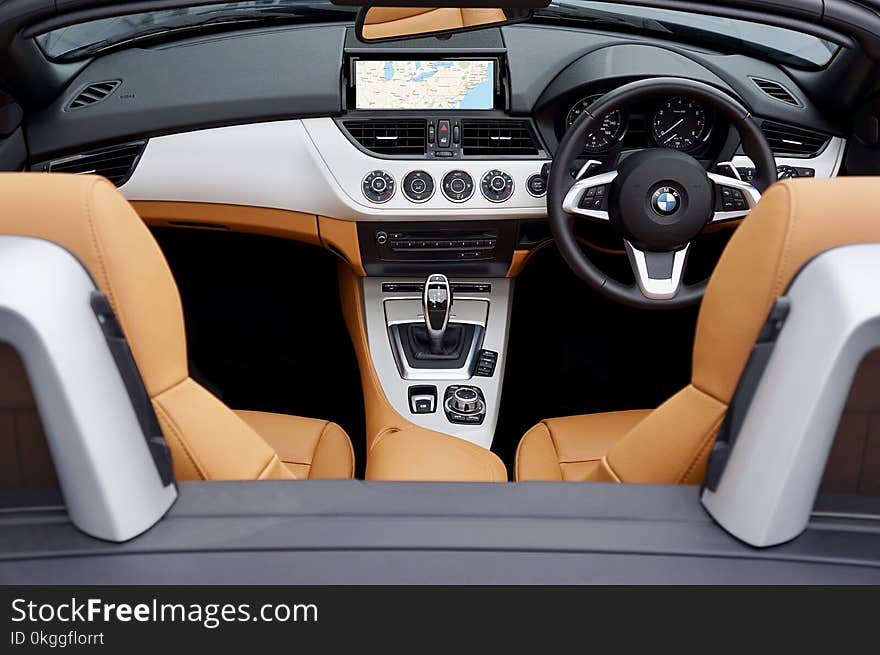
[658, 199]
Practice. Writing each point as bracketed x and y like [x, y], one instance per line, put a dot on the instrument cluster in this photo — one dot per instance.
[679, 123]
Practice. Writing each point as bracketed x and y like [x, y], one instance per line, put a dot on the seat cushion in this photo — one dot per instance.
[571, 448]
[308, 447]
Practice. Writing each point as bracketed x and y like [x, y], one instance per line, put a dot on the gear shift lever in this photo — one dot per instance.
[437, 304]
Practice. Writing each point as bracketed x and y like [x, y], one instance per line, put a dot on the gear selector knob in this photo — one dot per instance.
[437, 305]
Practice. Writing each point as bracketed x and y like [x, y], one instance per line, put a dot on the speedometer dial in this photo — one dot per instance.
[680, 124]
[607, 135]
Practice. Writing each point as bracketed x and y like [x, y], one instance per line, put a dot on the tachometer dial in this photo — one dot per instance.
[607, 135]
[680, 124]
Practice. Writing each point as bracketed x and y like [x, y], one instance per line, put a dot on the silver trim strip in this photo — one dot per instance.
[657, 289]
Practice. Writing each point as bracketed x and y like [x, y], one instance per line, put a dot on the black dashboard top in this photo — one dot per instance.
[294, 72]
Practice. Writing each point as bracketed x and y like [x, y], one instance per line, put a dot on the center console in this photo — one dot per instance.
[438, 346]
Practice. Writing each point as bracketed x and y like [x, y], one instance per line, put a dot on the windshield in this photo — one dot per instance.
[781, 45]
[90, 38]
[776, 43]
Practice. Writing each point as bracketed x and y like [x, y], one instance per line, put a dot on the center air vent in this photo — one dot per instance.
[116, 163]
[390, 137]
[788, 141]
[93, 94]
[776, 91]
[487, 138]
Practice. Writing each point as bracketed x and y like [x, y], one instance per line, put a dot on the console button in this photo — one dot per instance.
[537, 185]
[497, 186]
[464, 405]
[378, 187]
[458, 186]
[444, 134]
[418, 186]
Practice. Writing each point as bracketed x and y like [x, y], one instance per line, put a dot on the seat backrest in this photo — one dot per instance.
[89, 217]
[795, 221]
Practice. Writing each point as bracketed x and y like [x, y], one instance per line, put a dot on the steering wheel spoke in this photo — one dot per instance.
[734, 198]
[658, 274]
[589, 197]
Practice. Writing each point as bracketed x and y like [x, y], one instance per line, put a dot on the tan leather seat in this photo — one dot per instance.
[795, 221]
[388, 22]
[87, 215]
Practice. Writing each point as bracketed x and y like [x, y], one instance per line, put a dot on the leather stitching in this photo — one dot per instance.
[171, 426]
[327, 425]
[707, 442]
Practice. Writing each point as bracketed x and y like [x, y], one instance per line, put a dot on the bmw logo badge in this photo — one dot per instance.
[666, 201]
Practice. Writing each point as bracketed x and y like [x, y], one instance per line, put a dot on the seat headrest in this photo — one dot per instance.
[795, 221]
[89, 217]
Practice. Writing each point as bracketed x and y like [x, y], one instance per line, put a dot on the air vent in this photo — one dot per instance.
[390, 137]
[789, 141]
[116, 163]
[776, 91]
[487, 138]
[93, 94]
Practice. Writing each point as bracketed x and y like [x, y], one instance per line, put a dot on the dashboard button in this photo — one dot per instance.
[444, 134]
[497, 186]
[418, 186]
[378, 187]
[537, 185]
[458, 186]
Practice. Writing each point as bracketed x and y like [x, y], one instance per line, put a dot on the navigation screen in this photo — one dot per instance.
[440, 84]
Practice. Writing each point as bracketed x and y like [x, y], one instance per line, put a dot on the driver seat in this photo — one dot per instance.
[794, 222]
[209, 441]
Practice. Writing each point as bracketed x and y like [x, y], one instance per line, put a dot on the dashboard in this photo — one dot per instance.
[446, 135]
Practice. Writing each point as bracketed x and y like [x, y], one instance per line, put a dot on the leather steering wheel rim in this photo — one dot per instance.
[572, 145]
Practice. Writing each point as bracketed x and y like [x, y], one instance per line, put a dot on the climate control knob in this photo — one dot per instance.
[497, 186]
[458, 186]
[378, 187]
[418, 186]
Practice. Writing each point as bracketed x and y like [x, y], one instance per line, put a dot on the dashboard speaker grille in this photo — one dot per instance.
[390, 137]
[497, 137]
[776, 91]
[93, 94]
[116, 163]
[786, 140]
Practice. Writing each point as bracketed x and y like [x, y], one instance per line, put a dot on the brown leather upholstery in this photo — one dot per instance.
[90, 218]
[414, 453]
[795, 221]
[387, 22]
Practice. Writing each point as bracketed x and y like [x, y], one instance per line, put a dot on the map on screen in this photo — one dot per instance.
[441, 84]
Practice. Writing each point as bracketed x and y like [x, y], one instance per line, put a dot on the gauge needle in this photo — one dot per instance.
[680, 121]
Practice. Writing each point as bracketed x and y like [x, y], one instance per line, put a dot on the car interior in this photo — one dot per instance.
[438, 244]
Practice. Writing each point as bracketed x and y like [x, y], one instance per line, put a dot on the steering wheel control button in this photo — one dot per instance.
[729, 199]
[458, 186]
[378, 187]
[464, 405]
[497, 186]
[595, 198]
[418, 186]
[486, 363]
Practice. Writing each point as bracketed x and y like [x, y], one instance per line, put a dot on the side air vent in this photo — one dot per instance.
[487, 138]
[789, 141]
[390, 137]
[93, 94]
[776, 91]
[116, 163]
